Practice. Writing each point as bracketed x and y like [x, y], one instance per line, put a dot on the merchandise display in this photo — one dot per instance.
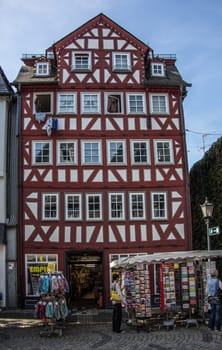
[52, 306]
[182, 292]
[137, 290]
[178, 282]
[168, 295]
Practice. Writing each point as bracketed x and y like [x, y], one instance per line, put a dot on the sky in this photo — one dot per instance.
[191, 29]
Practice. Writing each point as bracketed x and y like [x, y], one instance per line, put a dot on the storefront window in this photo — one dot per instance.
[113, 257]
[35, 265]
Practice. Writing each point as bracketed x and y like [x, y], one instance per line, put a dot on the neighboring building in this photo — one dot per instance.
[8, 194]
[103, 158]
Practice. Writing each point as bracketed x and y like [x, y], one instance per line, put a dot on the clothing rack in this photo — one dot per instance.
[52, 306]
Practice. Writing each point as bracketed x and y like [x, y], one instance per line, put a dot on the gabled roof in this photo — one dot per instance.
[101, 18]
[5, 87]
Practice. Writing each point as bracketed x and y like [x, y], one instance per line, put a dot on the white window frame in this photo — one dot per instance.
[34, 144]
[50, 218]
[123, 155]
[35, 95]
[120, 67]
[133, 151]
[68, 106]
[159, 209]
[160, 109]
[74, 217]
[120, 210]
[129, 106]
[132, 209]
[99, 152]
[80, 66]
[160, 154]
[117, 99]
[119, 258]
[42, 69]
[97, 212]
[96, 110]
[157, 69]
[38, 263]
[72, 155]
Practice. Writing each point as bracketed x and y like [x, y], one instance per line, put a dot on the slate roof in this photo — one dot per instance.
[5, 87]
[172, 78]
[27, 75]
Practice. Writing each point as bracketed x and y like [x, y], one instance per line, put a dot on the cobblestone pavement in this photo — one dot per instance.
[27, 335]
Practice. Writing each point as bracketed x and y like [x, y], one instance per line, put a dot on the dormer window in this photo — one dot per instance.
[82, 61]
[42, 69]
[121, 62]
[157, 69]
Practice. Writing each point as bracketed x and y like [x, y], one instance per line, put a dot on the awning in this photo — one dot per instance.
[166, 257]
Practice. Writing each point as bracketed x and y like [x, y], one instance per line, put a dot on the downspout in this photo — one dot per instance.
[186, 172]
[20, 255]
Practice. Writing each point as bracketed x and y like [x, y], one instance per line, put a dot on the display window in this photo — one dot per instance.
[36, 264]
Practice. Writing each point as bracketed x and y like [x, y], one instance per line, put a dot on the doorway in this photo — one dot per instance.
[85, 276]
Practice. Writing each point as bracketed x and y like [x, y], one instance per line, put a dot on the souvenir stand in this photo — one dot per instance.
[183, 279]
[136, 285]
[52, 306]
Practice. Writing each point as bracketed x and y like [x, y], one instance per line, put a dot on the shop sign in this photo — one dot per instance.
[51, 267]
[36, 269]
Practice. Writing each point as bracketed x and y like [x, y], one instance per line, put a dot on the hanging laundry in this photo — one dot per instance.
[48, 126]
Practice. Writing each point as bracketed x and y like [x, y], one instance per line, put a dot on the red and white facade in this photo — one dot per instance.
[103, 156]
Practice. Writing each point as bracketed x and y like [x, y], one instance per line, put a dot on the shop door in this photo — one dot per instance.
[86, 279]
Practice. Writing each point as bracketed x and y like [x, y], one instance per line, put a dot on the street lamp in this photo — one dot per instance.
[207, 211]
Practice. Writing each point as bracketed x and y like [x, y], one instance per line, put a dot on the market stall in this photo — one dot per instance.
[182, 278]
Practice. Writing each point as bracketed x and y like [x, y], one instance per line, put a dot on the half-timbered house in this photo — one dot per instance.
[103, 170]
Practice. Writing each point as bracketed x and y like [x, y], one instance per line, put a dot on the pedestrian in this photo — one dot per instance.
[117, 305]
[213, 286]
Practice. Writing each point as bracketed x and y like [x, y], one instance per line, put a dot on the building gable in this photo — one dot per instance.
[100, 40]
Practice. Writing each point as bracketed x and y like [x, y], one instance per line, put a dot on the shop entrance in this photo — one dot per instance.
[84, 273]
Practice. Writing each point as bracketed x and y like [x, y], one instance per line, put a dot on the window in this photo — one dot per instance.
[159, 206]
[157, 69]
[135, 103]
[137, 206]
[91, 152]
[82, 61]
[42, 103]
[121, 62]
[42, 69]
[163, 151]
[159, 104]
[50, 207]
[90, 103]
[116, 152]
[113, 103]
[73, 206]
[140, 152]
[36, 264]
[66, 103]
[66, 152]
[41, 153]
[93, 206]
[116, 206]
